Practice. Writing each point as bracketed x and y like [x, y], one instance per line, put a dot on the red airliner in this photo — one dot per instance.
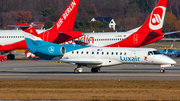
[62, 31]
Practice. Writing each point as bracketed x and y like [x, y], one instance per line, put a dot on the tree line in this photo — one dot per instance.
[128, 14]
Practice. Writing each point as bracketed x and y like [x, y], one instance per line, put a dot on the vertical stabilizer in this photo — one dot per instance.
[156, 19]
[67, 20]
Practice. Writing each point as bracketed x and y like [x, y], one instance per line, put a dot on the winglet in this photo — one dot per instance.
[67, 20]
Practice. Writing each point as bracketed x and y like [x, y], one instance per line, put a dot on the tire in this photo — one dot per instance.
[10, 56]
[76, 71]
[94, 70]
[162, 71]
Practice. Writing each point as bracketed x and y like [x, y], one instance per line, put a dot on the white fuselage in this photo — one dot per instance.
[108, 56]
[102, 39]
[8, 37]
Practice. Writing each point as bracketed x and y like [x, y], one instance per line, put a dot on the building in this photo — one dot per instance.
[112, 23]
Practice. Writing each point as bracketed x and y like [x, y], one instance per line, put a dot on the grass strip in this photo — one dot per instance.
[89, 90]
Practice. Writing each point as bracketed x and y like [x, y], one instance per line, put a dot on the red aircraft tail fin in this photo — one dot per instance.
[156, 19]
[28, 29]
[67, 20]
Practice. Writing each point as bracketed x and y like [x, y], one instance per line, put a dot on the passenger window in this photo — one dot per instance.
[87, 52]
[102, 53]
[125, 53]
[107, 53]
[97, 53]
[112, 53]
[116, 53]
[120, 53]
[77, 52]
[82, 52]
[92, 53]
[72, 52]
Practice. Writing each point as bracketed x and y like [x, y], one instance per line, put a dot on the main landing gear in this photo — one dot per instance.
[10, 56]
[95, 70]
[79, 69]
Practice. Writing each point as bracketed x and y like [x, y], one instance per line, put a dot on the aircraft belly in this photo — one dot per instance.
[110, 62]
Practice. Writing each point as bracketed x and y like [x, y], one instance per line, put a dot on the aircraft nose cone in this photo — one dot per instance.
[173, 62]
[170, 61]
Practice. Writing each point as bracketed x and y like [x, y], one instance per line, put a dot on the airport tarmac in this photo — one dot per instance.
[25, 69]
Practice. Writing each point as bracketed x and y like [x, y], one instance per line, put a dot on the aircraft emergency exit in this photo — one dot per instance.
[62, 31]
[94, 57]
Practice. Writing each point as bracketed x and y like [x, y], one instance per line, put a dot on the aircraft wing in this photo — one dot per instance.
[80, 61]
[78, 42]
[168, 33]
[89, 62]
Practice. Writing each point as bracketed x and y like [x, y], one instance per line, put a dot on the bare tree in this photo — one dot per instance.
[24, 17]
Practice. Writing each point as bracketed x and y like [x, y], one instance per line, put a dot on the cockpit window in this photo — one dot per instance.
[156, 52]
[150, 53]
[153, 53]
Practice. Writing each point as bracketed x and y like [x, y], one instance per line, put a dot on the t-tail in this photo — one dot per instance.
[67, 20]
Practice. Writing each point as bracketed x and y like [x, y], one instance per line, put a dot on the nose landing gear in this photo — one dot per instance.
[162, 70]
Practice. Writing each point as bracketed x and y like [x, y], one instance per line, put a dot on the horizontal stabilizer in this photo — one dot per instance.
[168, 33]
[20, 25]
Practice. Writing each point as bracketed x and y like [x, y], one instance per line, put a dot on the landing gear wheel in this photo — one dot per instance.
[162, 70]
[10, 56]
[94, 70]
[78, 70]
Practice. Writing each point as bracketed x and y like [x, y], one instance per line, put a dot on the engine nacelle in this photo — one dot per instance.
[52, 50]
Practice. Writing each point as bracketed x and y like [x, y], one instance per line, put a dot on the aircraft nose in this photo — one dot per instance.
[170, 61]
